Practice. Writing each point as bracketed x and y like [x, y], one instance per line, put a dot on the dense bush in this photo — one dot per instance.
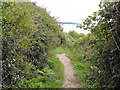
[105, 43]
[28, 33]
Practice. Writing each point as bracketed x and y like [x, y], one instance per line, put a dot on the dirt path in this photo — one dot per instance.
[69, 80]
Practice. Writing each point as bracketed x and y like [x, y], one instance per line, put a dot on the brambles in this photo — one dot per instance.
[105, 45]
[28, 33]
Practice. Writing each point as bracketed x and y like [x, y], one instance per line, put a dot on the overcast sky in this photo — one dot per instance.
[70, 11]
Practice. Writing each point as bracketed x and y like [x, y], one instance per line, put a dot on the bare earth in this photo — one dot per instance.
[69, 80]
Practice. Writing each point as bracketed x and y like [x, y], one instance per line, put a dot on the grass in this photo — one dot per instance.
[81, 67]
[57, 68]
[54, 76]
[57, 50]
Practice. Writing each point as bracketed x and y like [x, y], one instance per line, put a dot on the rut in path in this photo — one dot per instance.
[69, 80]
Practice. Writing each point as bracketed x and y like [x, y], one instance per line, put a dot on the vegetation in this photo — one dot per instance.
[31, 39]
[28, 33]
[105, 45]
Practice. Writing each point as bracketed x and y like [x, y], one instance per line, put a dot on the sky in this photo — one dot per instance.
[70, 11]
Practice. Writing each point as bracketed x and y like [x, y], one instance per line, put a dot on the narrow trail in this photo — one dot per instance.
[69, 80]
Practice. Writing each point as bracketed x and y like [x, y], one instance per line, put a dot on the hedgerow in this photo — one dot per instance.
[104, 43]
[28, 33]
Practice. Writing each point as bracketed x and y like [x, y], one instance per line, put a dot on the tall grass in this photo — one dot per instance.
[57, 68]
[81, 66]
